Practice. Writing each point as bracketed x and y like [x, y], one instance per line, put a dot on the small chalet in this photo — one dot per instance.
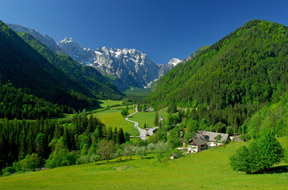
[204, 139]
[211, 137]
[197, 144]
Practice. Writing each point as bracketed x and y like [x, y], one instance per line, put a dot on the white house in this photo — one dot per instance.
[204, 139]
[211, 137]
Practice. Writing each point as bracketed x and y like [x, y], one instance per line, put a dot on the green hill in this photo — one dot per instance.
[26, 68]
[238, 74]
[206, 170]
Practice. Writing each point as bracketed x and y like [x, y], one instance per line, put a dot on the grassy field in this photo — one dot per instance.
[206, 170]
[138, 92]
[147, 117]
[105, 103]
[113, 118]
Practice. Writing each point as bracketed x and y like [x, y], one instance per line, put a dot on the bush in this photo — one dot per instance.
[8, 170]
[259, 157]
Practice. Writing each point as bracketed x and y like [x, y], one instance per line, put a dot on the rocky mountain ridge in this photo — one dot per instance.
[131, 66]
[126, 68]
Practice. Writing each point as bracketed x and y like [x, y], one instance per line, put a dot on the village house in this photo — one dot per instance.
[204, 139]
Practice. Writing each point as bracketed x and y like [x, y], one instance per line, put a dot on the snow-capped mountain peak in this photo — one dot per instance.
[125, 67]
[133, 67]
[174, 61]
[67, 40]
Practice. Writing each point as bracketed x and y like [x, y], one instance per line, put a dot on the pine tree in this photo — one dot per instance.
[120, 136]
[156, 119]
[109, 135]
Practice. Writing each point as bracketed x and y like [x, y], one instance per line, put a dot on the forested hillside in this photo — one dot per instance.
[272, 117]
[26, 68]
[17, 104]
[233, 78]
[31, 143]
[87, 76]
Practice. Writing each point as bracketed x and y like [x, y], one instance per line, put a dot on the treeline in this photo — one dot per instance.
[16, 103]
[52, 143]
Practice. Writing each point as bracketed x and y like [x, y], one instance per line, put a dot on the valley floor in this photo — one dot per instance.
[206, 170]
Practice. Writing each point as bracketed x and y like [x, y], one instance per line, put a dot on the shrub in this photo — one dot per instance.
[259, 157]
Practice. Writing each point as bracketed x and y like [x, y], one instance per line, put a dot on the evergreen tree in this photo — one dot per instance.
[120, 137]
[109, 135]
[156, 119]
[40, 146]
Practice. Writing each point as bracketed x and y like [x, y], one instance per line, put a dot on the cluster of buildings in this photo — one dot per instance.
[203, 140]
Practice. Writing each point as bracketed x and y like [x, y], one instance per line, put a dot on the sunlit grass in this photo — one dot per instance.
[206, 170]
[113, 118]
[148, 118]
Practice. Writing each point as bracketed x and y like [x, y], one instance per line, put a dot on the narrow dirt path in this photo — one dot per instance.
[142, 132]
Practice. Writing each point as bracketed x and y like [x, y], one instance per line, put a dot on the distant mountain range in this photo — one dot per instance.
[126, 68]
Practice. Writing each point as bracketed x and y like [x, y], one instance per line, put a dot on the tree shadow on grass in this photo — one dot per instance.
[275, 170]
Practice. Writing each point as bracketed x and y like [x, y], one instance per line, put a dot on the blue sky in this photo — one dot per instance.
[162, 29]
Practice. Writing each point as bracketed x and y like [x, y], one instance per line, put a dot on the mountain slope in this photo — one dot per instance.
[247, 67]
[85, 75]
[272, 117]
[132, 67]
[43, 38]
[25, 68]
[231, 70]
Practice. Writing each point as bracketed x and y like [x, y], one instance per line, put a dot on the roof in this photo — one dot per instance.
[211, 136]
[198, 140]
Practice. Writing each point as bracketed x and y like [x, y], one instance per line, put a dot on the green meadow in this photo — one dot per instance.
[113, 118]
[205, 170]
[148, 118]
[110, 117]
[106, 103]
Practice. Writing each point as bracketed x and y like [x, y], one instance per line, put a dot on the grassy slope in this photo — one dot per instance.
[206, 170]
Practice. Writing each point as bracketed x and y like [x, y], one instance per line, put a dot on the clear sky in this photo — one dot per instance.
[162, 29]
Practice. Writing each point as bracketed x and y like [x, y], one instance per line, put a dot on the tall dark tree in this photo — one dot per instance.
[156, 119]
[109, 135]
[41, 145]
[120, 137]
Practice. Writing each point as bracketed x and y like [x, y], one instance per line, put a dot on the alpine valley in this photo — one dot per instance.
[69, 117]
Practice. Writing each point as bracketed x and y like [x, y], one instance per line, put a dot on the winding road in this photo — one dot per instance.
[142, 132]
